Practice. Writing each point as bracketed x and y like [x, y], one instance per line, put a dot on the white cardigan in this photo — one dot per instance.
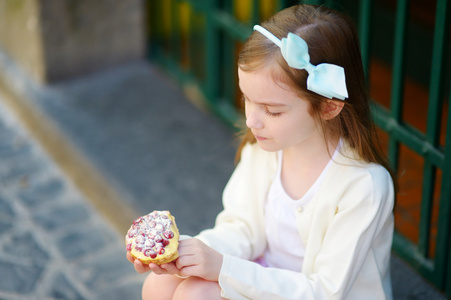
[347, 230]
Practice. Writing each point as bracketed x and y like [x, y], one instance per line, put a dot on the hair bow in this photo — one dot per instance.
[327, 80]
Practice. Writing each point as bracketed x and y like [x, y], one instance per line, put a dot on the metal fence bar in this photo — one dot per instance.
[443, 235]
[407, 135]
[409, 253]
[255, 15]
[364, 34]
[235, 29]
[432, 135]
[222, 32]
[175, 32]
[313, 2]
[397, 93]
[436, 88]
[436, 93]
[212, 53]
[228, 57]
[157, 32]
[287, 3]
[194, 44]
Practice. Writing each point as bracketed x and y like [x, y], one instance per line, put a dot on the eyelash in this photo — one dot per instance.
[267, 112]
[271, 114]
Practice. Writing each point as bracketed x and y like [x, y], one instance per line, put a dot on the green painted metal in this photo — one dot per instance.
[313, 2]
[436, 95]
[364, 34]
[235, 29]
[212, 54]
[255, 16]
[438, 268]
[445, 204]
[205, 57]
[408, 136]
[397, 94]
[175, 37]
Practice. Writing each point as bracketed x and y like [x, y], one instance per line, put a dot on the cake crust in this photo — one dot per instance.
[153, 238]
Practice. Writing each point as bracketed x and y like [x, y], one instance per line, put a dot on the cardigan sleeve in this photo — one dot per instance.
[239, 230]
[351, 243]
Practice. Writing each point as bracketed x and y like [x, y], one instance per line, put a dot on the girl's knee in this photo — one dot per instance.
[195, 288]
[159, 287]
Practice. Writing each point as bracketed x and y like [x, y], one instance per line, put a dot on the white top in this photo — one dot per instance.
[347, 230]
[286, 249]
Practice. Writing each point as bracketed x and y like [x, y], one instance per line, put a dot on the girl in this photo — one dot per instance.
[308, 210]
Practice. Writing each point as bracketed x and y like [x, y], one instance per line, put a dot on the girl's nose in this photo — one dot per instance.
[253, 120]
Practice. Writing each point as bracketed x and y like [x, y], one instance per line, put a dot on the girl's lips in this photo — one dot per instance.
[260, 138]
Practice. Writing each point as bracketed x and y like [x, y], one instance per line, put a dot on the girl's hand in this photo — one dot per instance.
[139, 266]
[169, 268]
[198, 259]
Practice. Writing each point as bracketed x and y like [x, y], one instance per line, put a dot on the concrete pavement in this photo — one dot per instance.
[53, 243]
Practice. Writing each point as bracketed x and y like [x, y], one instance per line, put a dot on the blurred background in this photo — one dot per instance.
[137, 102]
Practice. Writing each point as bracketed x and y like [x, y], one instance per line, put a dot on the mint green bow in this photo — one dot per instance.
[327, 80]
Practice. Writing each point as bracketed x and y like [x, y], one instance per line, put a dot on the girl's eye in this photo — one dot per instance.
[271, 114]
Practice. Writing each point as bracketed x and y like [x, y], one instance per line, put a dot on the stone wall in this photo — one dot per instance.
[54, 40]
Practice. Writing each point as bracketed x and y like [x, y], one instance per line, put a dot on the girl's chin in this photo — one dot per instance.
[268, 147]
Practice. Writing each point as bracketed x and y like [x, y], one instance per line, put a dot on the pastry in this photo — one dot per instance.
[153, 238]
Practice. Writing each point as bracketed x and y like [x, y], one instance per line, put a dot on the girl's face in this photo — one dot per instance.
[277, 116]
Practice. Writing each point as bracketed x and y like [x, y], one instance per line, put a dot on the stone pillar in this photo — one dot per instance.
[20, 36]
[55, 40]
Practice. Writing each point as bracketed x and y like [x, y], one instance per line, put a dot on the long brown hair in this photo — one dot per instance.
[331, 38]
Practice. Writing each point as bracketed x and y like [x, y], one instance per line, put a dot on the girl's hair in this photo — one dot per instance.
[331, 38]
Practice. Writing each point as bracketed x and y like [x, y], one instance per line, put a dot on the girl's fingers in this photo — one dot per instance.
[185, 261]
[130, 258]
[190, 271]
[198, 259]
[140, 267]
[170, 268]
[157, 269]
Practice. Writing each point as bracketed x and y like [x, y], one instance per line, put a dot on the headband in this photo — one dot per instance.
[327, 80]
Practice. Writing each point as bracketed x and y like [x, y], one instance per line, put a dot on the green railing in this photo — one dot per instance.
[197, 41]
[427, 145]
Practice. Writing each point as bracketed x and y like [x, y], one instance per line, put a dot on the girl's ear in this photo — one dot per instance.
[331, 108]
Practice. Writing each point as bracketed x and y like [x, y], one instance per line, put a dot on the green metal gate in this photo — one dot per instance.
[197, 41]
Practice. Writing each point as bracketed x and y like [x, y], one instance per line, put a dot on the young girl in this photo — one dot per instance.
[308, 210]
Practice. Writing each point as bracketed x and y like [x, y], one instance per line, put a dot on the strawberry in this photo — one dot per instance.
[168, 234]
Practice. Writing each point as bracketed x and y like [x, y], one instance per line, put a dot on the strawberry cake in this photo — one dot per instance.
[153, 238]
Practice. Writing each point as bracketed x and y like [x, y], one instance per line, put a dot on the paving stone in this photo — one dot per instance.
[7, 215]
[6, 135]
[105, 270]
[131, 291]
[79, 243]
[20, 171]
[5, 226]
[412, 286]
[24, 247]
[14, 149]
[62, 216]
[63, 289]
[17, 278]
[39, 193]
[6, 212]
